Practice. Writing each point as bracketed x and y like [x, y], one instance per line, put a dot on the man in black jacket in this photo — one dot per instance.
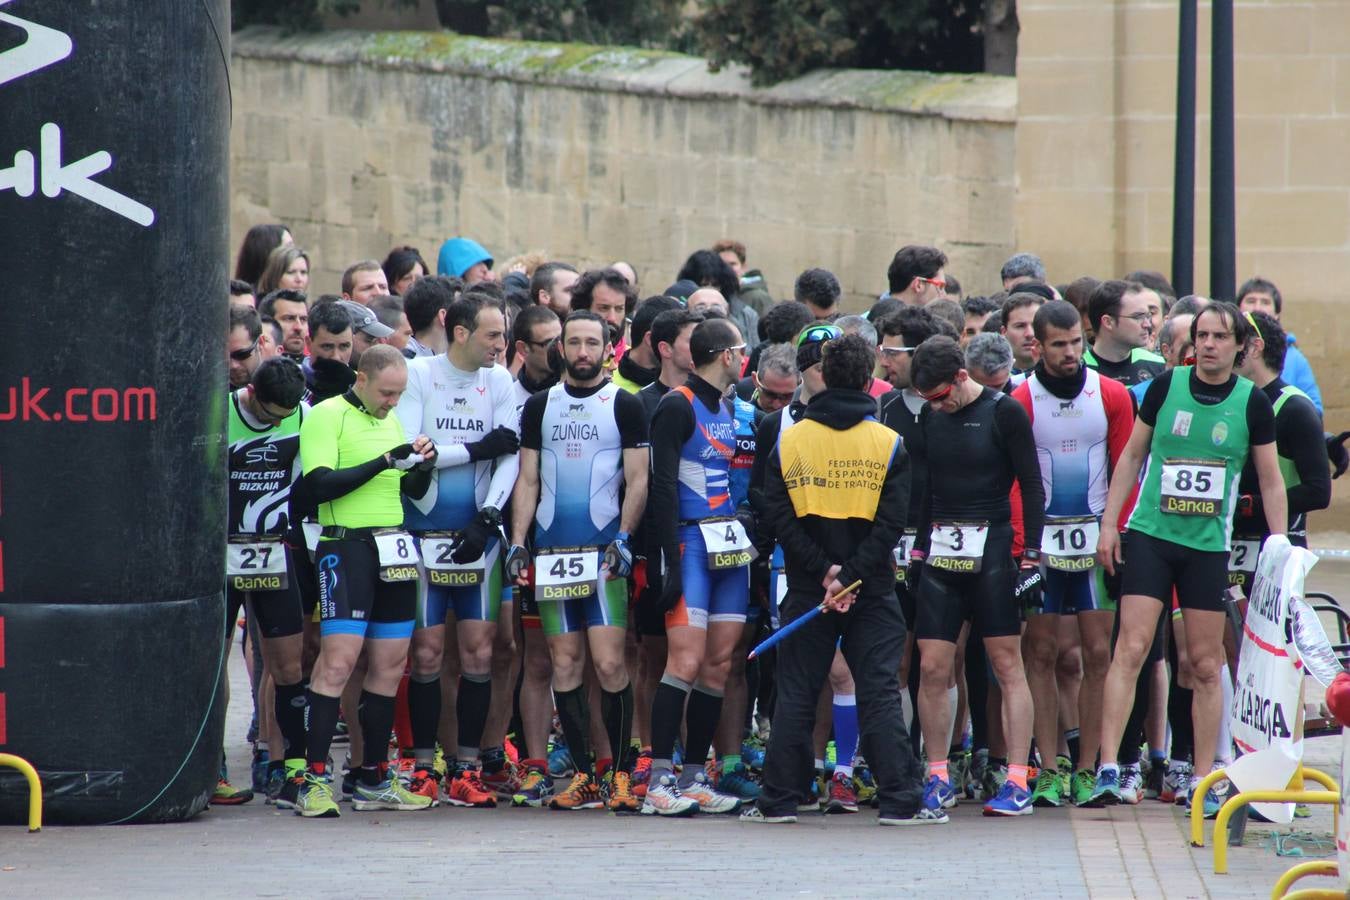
[836, 494]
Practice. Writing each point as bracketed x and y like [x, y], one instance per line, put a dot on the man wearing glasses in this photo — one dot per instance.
[247, 345]
[916, 275]
[704, 554]
[264, 461]
[974, 442]
[1123, 327]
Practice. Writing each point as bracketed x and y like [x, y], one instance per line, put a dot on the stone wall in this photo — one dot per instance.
[1096, 106]
[363, 141]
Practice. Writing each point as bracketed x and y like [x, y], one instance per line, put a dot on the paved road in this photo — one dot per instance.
[256, 851]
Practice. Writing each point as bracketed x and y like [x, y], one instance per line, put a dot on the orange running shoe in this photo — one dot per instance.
[621, 798]
[505, 782]
[466, 789]
[642, 774]
[582, 793]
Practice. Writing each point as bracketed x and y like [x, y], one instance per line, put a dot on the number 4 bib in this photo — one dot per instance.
[727, 544]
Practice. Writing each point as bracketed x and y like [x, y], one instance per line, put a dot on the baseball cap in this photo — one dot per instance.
[363, 319]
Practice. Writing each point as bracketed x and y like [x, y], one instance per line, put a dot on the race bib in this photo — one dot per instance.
[398, 554]
[727, 543]
[442, 571]
[957, 546]
[900, 554]
[1192, 487]
[1242, 561]
[1070, 543]
[566, 575]
[252, 564]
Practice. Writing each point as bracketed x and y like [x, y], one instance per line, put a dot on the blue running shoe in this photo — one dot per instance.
[1107, 790]
[560, 764]
[938, 794]
[1011, 801]
[738, 783]
[1212, 801]
[752, 754]
[260, 761]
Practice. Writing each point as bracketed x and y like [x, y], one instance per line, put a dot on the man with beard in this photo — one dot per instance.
[328, 370]
[583, 486]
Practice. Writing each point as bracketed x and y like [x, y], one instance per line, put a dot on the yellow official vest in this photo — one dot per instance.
[836, 474]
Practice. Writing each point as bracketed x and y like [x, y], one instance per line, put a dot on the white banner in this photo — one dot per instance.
[1343, 831]
[1270, 675]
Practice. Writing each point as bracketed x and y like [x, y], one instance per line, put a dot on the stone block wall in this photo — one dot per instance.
[1097, 100]
[363, 141]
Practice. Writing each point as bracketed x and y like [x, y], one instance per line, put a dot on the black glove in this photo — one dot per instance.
[672, 588]
[473, 540]
[913, 573]
[404, 458]
[517, 562]
[746, 517]
[619, 556]
[1028, 590]
[1336, 452]
[429, 459]
[500, 441]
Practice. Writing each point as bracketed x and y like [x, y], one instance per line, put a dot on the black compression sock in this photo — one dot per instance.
[667, 714]
[376, 713]
[322, 716]
[475, 696]
[290, 712]
[616, 708]
[424, 710]
[700, 724]
[574, 714]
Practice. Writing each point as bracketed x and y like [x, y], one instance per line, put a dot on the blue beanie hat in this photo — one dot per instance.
[460, 254]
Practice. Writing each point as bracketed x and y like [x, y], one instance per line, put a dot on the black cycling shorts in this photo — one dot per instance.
[1155, 566]
[352, 597]
[278, 613]
[947, 600]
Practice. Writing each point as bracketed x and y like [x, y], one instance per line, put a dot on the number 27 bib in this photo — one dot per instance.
[256, 563]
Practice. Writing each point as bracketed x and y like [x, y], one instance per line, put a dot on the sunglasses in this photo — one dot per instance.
[817, 334]
[243, 355]
[733, 349]
[938, 396]
[896, 351]
[775, 396]
[938, 283]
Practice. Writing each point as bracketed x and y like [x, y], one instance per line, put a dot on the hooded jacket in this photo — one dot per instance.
[836, 492]
[459, 255]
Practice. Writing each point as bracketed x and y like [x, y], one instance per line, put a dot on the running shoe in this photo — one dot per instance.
[314, 798]
[466, 789]
[227, 794]
[922, 816]
[1084, 783]
[1064, 769]
[831, 757]
[665, 799]
[424, 783]
[389, 794]
[581, 793]
[1153, 780]
[340, 735]
[619, 786]
[938, 794]
[753, 815]
[560, 764]
[811, 801]
[979, 764]
[1212, 802]
[709, 799]
[535, 789]
[259, 771]
[1131, 785]
[275, 779]
[958, 769]
[841, 796]
[864, 785]
[752, 753]
[992, 783]
[1047, 790]
[642, 774]
[505, 781]
[1106, 791]
[292, 777]
[1176, 782]
[738, 783]
[1011, 801]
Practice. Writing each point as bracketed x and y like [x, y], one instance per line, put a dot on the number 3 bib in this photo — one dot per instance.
[958, 546]
[1192, 487]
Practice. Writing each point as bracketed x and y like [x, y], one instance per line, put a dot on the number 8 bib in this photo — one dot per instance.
[398, 555]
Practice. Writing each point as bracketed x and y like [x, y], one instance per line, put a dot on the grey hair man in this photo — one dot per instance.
[989, 360]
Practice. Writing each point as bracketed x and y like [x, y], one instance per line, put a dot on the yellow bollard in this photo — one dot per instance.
[1304, 772]
[1233, 804]
[1324, 867]
[34, 788]
[1198, 809]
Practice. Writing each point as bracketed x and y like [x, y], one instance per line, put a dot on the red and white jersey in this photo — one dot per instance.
[1078, 440]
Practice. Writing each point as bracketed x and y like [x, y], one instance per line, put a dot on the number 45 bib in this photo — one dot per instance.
[958, 546]
[565, 574]
[1192, 487]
